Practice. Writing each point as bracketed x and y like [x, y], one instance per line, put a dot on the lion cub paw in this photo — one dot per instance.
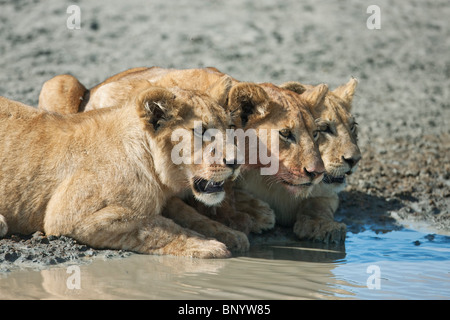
[322, 230]
[262, 216]
[3, 226]
[264, 219]
[234, 240]
[206, 249]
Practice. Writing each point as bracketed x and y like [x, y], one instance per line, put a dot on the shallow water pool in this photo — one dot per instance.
[409, 264]
[403, 264]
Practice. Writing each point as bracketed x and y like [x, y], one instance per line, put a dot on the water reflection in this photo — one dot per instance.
[300, 251]
[410, 265]
[267, 272]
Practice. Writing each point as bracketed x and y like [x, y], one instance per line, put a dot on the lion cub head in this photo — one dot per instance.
[287, 118]
[338, 132]
[185, 127]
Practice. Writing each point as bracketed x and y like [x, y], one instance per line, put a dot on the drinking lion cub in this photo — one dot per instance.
[102, 177]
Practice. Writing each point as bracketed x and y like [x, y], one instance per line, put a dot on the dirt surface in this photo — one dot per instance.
[402, 103]
[38, 251]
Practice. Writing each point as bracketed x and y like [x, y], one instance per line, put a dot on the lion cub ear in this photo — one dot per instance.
[154, 106]
[315, 97]
[347, 91]
[294, 86]
[62, 94]
[219, 90]
[248, 99]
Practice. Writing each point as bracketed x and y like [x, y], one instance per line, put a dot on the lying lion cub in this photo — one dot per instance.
[103, 177]
[312, 214]
[65, 94]
[257, 106]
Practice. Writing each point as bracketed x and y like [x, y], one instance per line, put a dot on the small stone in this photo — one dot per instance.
[12, 256]
[52, 237]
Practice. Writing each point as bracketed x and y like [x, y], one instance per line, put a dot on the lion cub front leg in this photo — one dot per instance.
[239, 211]
[115, 227]
[262, 216]
[315, 220]
[188, 217]
[78, 210]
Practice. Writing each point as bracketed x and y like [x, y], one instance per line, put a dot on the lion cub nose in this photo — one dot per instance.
[352, 161]
[314, 171]
[231, 163]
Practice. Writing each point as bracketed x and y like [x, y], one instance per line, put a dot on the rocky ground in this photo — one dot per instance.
[402, 103]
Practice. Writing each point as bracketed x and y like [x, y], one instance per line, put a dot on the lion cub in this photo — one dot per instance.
[64, 94]
[311, 213]
[104, 176]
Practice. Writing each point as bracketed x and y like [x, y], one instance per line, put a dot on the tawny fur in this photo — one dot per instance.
[63, 94]
[118, 88]
[311, 214]
[104, 176]
[266, 106]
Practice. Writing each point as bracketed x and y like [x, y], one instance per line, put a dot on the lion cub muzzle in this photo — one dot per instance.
[306, 176]
[210, 191]
[209, 188]
[349, 163]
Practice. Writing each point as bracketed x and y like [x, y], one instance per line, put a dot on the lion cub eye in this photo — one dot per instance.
[353, 127]
[316, 135]
[287, 134]
[326, 129]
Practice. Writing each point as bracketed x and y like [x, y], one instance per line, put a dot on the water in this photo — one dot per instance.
[410, 264]
[402, 264]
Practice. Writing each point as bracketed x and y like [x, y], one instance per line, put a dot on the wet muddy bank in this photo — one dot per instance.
[38, 251]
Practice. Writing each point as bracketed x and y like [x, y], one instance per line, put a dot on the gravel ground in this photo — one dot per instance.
[402, 103]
